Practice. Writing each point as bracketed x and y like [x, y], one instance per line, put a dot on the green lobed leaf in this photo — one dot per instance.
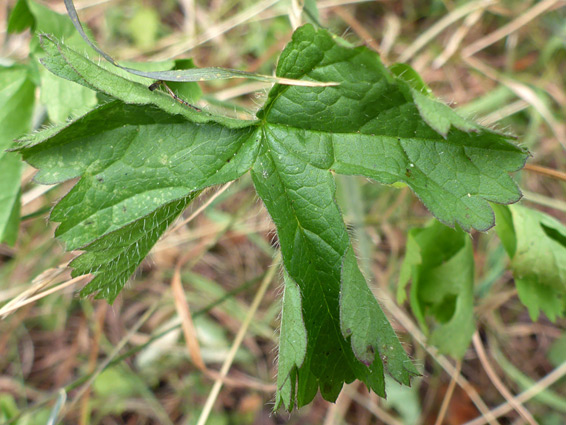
[292, 343]
[441, 264]
[378, 126]
[300, 198]
[363, 320]
[185, 75]
[132, 160]
[146, 151]
[113, 258]
[536, 245]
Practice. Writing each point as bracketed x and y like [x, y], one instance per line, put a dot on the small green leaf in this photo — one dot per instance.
[16, 108]
[16, 104]
[536, 245]
[440, 117]
[292, 344]
[376, 125]
[311, 11]
[442, 267]
[21, 18]
[10, 172]
[124, 176]
[121, 251]
[412, 259]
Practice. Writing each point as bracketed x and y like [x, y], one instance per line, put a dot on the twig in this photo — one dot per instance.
[559, 175]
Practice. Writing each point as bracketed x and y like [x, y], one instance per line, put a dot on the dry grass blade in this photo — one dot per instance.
[22, 301]
[498, 383]
[390, 34]
[526, 395]
[39, 282]
[82, 390]
[504, 112]
[511, 27]
[549, 172]
[84, 411]
[215, 31]
[295, 12]
[237, 342]
[187, 324]
[36, 192]
[189, 24]
[240, 90]
[457, 38]
[357, 26]
[328, 4]
[546, 201]
[191, 339]
[337, 411]
[525, 93]
[449, 394]
[441, 25]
